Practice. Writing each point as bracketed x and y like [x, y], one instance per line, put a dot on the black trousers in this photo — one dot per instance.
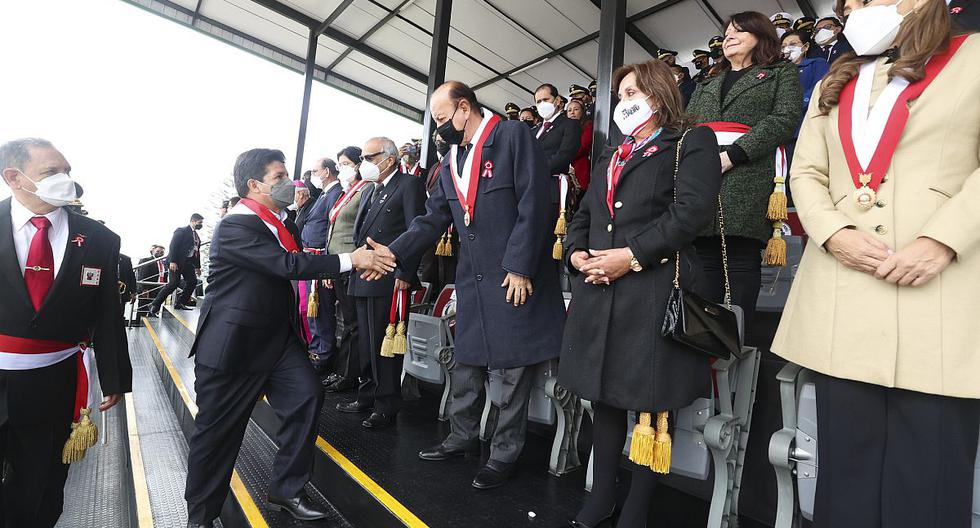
[893, 458]
[323, 327]
[34, 477]
[346, 362]
[225, 401]
[186, 272]
[744, 271]
[383, 389]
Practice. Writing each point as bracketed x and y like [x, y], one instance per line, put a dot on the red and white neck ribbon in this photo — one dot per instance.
[161, 271]
[345, 199]
[282, 234]
[471, 169]
[618, 161]
[562, 191]
[728, 132]
[19, 353]
[870, 135]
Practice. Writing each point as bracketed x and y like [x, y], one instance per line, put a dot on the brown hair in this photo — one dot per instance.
[767, 50]
[924, 33]
[656, 79]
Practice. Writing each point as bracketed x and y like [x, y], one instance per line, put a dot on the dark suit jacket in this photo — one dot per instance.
[384, 220]
[511, 231]
[249, 315]
[181, 245]
[560, 143]
[965, 14]
[149, 273]
[72, 313]
[833, 52]
[317, 219]
[126, 276]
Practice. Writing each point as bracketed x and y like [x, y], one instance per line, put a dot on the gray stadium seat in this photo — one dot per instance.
[431, 347]
[776, 280]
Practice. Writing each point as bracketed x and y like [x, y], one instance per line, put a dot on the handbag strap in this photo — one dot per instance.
[721, 229]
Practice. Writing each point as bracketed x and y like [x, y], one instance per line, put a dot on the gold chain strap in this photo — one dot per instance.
[721, 228]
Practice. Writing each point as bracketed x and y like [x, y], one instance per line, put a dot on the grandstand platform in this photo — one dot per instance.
[366, 478]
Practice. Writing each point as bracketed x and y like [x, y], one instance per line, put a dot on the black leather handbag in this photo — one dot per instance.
[705, 326]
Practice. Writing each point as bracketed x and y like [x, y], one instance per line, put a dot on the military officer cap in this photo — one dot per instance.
[701, 54]
[716, 42]
[532, 109]
[512, 108]
[781, 20]
[803, 24]
[575, 90]
[663, 54]
[592, 87]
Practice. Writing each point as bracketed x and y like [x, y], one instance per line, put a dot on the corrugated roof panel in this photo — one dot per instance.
[491, 30]
[318, 9]
[683, 28]
[189, 4]
[727, 8]
[256, 20]
[369, 72]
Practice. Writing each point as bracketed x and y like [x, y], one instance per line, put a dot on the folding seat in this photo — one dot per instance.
[431, 345]
[776, 280]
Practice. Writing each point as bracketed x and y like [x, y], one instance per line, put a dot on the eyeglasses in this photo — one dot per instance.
[369, 157]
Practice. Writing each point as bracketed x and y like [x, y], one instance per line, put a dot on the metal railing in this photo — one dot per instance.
[154, 286]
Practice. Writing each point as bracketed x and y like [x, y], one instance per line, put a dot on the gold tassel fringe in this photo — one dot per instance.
[556, 250]
[441, 247]
[641, 447]
[778, 207]
[387, 345]
[400, 342]
[313, 302]
[776, 247]
[661, 446]
[561, 229]
[448, 250]
[84, 434]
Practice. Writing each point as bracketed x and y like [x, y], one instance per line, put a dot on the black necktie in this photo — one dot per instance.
[378, 191]
[461, 157]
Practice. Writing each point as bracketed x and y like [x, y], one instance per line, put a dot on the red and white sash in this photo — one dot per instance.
[275, 224]
[345, 199]
[728, 132]
[19, 353]
[870, 135]
[472, 168]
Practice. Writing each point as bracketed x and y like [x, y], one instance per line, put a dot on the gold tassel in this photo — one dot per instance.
[777, 201]
[448, 250]
[561, 229]
[387, 345]
[776, 247]
[661, 446]
[84, 434]
[400, 342]
[441, 247]
[556, 250]
[641, 447]
[313, 302]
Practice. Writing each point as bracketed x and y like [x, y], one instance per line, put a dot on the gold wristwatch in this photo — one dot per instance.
[634, 264]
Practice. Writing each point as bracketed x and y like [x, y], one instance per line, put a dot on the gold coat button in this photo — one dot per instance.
[664, 261]
[881, 230]
[618, 205]
[609, 228]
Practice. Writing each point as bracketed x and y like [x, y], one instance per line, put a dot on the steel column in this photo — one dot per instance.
[612, 31]
[807, 7]
[437, 72]
[307, 91]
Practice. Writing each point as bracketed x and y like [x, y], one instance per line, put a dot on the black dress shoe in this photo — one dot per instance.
[182, 307]
[343, 385]
[606, 522]
[442, 452]
[493, 475]
[331, 379]
[355, 407]
[302, 507]
[191, 524]
[378, 420]
[154, 312]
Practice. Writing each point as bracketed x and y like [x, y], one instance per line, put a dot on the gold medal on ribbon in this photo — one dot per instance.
[865, 196]
[466, 218]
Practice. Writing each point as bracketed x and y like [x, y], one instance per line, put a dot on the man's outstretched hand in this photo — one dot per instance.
[381, 253]
[374, 260]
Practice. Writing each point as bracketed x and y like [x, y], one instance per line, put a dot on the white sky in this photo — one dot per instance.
[151, 114]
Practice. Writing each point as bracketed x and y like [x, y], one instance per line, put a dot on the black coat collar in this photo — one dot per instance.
[755, 76]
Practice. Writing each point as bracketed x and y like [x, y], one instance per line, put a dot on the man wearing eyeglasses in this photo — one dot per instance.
[323, 322]
[390, 202]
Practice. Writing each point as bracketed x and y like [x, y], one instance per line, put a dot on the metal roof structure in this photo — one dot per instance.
[380, 50]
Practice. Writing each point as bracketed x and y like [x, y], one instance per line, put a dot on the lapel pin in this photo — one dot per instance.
[761, 75]
[487, 169]
[956, 10]
[650, 151]
[78, 240]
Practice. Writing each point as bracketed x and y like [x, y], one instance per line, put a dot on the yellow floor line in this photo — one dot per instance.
[144, 512]
[238, 489]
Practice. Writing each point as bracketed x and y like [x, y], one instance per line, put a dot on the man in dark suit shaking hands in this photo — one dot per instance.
[184, 262]
[248, 343]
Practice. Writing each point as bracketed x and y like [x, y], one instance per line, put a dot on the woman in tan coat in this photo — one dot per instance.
[884, 304]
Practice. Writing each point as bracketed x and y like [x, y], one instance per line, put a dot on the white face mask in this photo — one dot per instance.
[793, 53]
[823, 36]
[316, 181]
[872, 30]
[780, 32]
[631, 115]
[347, 175]
[293, 207]
[369, 171]
[546, 109]
[57, 190]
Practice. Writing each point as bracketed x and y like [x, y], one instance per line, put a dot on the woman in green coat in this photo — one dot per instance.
[752, 88]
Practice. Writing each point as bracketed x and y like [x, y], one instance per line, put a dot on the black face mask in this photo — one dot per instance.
[529, 123]
[447, 131]
[198, 227]
[442, 148]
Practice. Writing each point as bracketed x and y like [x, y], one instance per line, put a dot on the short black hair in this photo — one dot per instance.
[352, 153]
[804, 36]
[835, 20]
[458, 91]
[330, 165]
[224, 204]
[233, 201]
[551, 88]
[251, 165]
[195, 217]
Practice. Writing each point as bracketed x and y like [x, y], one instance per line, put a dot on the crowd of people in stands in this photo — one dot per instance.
[690, 199]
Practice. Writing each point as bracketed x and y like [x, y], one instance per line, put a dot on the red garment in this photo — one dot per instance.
[39, 275]
[581, 163]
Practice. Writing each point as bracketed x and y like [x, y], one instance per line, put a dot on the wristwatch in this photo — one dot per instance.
[635, 264]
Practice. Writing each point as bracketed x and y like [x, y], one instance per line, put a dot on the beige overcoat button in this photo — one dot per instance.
[881, 230]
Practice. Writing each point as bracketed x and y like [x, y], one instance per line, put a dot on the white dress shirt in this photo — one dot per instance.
[240, 208]
[549, 120]
[20, 221]
[463, 176]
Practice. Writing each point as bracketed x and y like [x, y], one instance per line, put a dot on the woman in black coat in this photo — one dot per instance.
[621, 248]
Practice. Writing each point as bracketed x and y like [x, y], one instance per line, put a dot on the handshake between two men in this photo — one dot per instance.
[373, 260]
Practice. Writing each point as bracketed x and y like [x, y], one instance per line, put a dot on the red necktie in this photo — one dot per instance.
[39, 275]
[547, 125]
[160, 270]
